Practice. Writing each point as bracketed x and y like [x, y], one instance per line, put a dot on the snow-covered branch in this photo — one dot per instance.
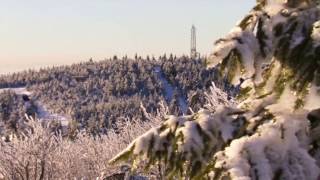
[274, 51]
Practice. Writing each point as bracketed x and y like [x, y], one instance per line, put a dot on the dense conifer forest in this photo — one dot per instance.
[95, 95]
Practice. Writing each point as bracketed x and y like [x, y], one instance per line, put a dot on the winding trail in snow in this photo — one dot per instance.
[43, 114]
[169, 90]
[18, 91]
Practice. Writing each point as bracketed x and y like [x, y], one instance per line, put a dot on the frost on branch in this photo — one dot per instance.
[274, 151]
[196, 138]
[270, 134]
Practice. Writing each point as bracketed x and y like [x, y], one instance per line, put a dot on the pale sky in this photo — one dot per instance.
[35, 33]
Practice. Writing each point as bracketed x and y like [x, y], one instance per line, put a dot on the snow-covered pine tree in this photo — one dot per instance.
[267, 135]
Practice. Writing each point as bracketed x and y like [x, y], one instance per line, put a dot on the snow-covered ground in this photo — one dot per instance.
[19, 91]
[169, 89]
[43, 113]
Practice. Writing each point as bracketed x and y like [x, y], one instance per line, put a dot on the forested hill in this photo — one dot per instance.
[96, 94]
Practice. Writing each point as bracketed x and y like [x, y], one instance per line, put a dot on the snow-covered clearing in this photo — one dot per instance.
[169, 90]
[43, 114]
[19, 91]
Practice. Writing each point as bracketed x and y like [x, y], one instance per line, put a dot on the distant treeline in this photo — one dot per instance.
[97, 94]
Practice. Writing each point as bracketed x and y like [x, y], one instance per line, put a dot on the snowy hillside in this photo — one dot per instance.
[42, 113]
[98, 94]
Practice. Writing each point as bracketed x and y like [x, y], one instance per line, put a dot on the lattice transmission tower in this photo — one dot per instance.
[194, 54]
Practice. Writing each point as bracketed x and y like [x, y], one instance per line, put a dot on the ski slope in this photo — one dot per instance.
[169, 90]
[43, 114]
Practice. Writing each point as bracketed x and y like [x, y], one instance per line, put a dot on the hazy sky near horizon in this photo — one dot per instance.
[37, 33]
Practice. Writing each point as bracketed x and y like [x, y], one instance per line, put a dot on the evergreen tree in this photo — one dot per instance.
[275, 50]
[171, 57]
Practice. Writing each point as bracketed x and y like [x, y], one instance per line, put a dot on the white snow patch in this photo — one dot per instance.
[18, 91]
[169, 89]
[43, 114]
[316, 32]
[285, 104]
[313, 98]
[274, 7]
[276, 145]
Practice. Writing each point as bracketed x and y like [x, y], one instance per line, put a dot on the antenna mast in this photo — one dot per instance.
[193, 53]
